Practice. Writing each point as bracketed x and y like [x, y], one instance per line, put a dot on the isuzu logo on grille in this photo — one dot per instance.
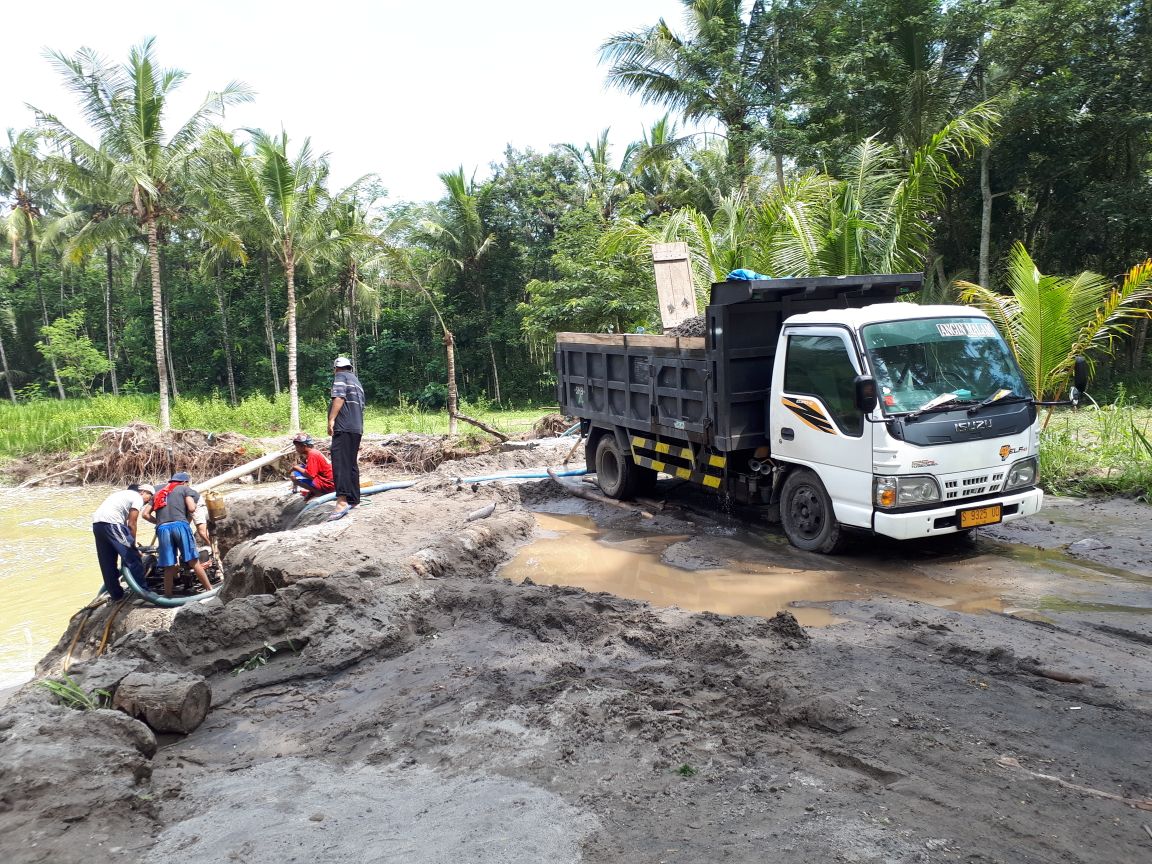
[973, 425]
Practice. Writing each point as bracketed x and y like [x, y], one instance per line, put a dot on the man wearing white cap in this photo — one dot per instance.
[114, 527]
[346, 426]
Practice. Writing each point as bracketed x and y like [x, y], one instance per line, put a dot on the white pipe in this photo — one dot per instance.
[235, 473]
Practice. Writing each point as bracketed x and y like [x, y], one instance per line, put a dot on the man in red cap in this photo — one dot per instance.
[313, 476]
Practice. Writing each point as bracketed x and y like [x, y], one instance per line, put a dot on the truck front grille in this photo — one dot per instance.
[969, 485]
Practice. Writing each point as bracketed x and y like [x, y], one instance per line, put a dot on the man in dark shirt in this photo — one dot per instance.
[346, 426]
[172, 507]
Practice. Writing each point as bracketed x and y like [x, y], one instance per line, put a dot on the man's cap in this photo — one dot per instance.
[304, 438]
[342, 362]
[146, 487]
[181, 477]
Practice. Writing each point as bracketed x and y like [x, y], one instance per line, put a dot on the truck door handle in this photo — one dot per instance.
[786, 433]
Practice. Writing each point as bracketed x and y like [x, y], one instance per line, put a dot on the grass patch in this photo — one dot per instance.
[73, 695]
[72, 425]
[1098, 450]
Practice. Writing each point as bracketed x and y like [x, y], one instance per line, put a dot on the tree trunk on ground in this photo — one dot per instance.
[269, 332]
[44, 313]
[985, 218]
[109, 339]
[166, 701]
[4, 368]
[227, 341]
[158, 322]
[453, 393]
[293, 386]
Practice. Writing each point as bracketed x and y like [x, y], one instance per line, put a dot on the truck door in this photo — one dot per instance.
[814, 421]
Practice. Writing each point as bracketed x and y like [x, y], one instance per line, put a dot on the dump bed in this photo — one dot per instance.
[713, 390]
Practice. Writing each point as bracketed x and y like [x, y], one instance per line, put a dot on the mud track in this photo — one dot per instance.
[420, 708]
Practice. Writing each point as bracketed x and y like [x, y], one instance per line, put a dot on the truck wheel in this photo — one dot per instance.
[615, 471]
[806, 511]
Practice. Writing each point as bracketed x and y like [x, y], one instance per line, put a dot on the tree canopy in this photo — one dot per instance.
[802, 137]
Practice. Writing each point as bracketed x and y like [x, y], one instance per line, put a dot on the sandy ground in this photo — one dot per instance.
[420, 708]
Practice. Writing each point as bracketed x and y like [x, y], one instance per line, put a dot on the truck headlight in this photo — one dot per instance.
[1022, 473]
[905, 491]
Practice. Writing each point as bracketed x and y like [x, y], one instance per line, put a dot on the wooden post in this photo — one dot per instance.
[674, 286]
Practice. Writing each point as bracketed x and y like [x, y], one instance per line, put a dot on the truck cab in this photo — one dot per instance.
[946, 438]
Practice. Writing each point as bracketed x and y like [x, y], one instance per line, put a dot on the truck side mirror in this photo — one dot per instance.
[865, 393]
[1080, 373]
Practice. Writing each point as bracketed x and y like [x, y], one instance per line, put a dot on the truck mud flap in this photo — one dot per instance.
[679, 461]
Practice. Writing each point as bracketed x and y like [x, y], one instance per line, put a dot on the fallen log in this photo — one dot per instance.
[480, 425]
[589, 495]
[167, 702]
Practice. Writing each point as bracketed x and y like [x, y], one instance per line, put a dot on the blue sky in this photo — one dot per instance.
[401, 89]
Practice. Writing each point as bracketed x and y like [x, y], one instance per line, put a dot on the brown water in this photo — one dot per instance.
[48, 570]
[749, 579]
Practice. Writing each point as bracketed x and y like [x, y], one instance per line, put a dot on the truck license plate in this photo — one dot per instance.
[979, 516]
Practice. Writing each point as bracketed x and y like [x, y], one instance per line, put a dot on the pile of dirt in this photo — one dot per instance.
[694, 326]
[379, 693]
[409, 452]
[551, 425]
[139, 452]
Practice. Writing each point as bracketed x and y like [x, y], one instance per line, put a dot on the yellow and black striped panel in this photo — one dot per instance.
[810, 413]
[710, 480]
[678, 461]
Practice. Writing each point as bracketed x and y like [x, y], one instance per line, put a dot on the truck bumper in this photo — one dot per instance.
[945, 520]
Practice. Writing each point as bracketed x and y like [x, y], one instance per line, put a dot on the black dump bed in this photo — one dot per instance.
[714, 389]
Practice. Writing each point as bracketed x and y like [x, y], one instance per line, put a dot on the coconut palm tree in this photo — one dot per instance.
[723, 68]
[25, 182]
[455, 231]
[283, 198]
[1049, 320]
[125, 106]
[354, 227]
[93, 219]
[604, 183]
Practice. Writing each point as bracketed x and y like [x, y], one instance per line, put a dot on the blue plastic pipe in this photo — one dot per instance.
[514, 474]
[157, 600]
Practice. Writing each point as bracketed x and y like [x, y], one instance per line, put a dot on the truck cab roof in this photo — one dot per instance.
[857, 318]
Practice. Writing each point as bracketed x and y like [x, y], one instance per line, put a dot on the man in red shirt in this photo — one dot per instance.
[314, 475]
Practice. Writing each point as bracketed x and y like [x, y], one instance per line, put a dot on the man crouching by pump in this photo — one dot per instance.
[172, 506]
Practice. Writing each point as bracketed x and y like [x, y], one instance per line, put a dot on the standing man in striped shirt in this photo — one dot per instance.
[346, 426]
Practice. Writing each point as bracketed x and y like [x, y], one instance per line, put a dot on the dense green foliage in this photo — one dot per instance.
[846, 135]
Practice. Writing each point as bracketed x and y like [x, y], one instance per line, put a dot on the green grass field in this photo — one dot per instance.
[49, 426]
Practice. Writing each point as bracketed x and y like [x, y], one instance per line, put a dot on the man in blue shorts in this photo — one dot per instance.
[172, 507]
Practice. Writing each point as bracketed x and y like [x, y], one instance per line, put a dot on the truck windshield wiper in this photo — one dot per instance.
[998, 396]
[944, 400]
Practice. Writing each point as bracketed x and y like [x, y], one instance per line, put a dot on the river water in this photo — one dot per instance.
[48, 570]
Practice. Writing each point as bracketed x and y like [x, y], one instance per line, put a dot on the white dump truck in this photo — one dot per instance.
[823, 400]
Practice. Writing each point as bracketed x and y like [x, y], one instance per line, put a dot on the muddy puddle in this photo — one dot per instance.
[731, 572]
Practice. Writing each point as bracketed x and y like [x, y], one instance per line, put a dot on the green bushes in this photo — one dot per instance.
[1104, 450]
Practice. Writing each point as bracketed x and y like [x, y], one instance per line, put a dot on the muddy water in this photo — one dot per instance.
[47, 570]
[732, 575]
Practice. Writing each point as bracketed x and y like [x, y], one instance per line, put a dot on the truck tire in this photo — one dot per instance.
[807, 514]
[616, 473]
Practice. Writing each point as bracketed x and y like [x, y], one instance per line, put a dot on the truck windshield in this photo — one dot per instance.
[920, 360]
